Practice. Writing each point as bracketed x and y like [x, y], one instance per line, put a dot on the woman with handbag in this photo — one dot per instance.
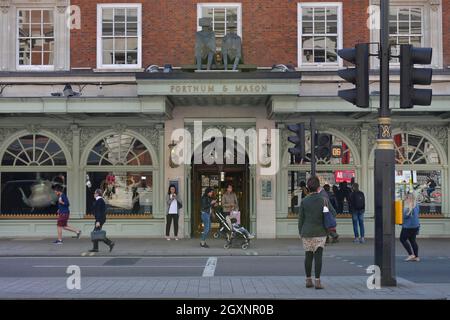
[207, 203]
[313, 221]
[173, 211]
[99, 211]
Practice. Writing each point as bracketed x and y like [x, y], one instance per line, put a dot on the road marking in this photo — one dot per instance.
[352, 263]
[171, 266]
[210, 267]
[360, 266]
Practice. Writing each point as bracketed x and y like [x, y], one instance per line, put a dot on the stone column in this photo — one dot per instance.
[77, 187]
[61, 55]
[446, 176]
[265, 209]
[5, 34]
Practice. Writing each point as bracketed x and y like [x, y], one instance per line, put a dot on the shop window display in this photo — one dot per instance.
[125, 193]
[25, 193]
[338, 180]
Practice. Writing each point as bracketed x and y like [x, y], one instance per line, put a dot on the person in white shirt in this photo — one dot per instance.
[173, 211]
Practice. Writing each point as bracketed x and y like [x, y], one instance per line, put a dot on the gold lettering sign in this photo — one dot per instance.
[211, 88]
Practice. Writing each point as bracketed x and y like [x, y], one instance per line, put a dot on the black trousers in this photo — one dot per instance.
[106, 241]
[408, 240]
[175, 218]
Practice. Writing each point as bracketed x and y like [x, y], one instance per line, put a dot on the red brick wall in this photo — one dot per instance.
[269, 29]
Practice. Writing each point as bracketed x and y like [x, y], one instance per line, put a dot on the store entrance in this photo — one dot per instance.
[218, 177]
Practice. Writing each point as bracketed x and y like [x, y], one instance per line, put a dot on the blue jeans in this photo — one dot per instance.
[358, 218]
[206, 219]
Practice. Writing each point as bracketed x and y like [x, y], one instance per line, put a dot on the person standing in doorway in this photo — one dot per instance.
[207, 203]
[99, 211]
[229, 203]
[63, 215]
[410, 228]
[312, 231]
[357, 207]
[174, 205]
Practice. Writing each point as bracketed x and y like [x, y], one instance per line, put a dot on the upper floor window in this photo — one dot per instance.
[320, 34]
[119, 36]
[405, 27]
[221, 14]
[35, 39]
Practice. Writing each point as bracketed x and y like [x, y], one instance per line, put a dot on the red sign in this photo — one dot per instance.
[344, 176]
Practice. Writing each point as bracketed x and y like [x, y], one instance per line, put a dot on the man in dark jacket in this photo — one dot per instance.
[99, 211]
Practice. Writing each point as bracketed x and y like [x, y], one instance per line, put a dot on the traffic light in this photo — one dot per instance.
[359, 75]
[409, 76]
[299, 140]
[323, 146]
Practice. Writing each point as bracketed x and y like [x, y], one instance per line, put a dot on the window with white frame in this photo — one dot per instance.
[405, 27]
[223, 16]
[320, 33]
[119, 36]
[35, 38]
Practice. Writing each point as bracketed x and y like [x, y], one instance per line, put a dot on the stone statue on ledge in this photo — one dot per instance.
[232, 47]
[205, 43]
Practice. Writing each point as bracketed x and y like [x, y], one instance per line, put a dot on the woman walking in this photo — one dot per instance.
[410, 228]
[312, 230]
[206, 206]
[173, 211]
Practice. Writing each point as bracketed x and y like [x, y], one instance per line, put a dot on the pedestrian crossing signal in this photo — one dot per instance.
[336, 151]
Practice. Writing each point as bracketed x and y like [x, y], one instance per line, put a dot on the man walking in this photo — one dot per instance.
[99, 211]
[63, 215]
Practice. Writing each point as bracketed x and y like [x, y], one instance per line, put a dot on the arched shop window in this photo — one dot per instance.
[121, 166]
[31, 166]
[418, 171]
[336, 172]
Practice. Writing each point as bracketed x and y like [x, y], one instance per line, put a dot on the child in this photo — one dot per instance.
[238, 227]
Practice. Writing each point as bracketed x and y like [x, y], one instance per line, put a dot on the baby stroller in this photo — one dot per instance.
[234, 235]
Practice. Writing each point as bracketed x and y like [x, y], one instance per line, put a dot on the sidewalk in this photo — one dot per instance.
[215, 288]
[191, 247]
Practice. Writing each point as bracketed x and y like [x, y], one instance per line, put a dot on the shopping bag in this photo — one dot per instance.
[236, 215]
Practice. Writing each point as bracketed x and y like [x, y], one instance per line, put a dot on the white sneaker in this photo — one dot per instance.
[251, 236]
[410, 258]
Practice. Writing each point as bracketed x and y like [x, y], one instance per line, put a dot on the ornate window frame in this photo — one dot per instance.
[9, 40]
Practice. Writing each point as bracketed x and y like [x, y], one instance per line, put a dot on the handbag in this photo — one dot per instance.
[98, 235]
[329, 221]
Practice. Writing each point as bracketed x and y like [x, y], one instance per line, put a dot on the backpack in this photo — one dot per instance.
[358, 200]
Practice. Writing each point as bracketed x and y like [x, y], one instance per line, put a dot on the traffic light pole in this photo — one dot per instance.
[385, 166]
